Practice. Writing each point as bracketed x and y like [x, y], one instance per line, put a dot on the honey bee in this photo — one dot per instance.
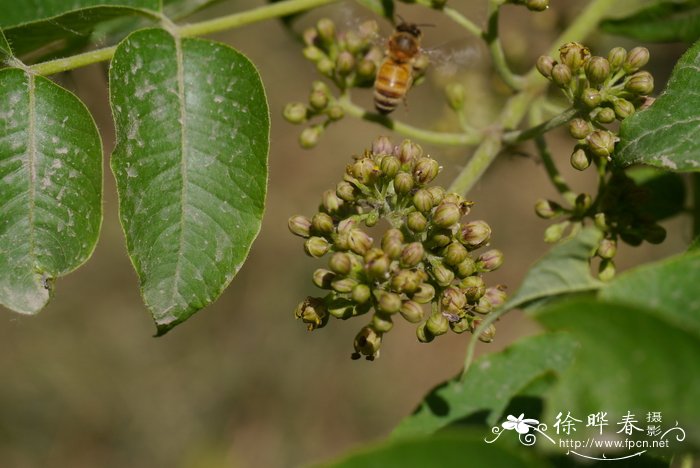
[395, 75]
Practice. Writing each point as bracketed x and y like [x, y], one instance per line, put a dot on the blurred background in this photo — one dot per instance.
[85, 383]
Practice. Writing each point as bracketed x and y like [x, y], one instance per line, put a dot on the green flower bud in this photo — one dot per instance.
[606, 270]
[537, 5]
[422, 200]
[601, 143]
[310, 136]
[345, 63]
[382, 145]
[597, 70]
[605, 115]
[322, 278]
[313, 53]
[325, 66]
[425, 170]
[561, 75]
[654, 234]
[438, 194]
[353, 42]
[443, 275]
[466, 267]
[483, 306]
[496, 295]
[299, 225]
[408, 152]
[340, 263]
[580, 160]
[582, 203]
[455, 95]
[555, 232]
[322, 224]
[424, 293]
[488, 335]
[591, 98]
[412, 255]
[490, 260]
[453, 300]
[344, 285]
[446, 215]
[544, 65]
[309, 36]
[372, 218]
[547, 209]
[359, 242]
[416, 222]
[381, 323]
[464, 324]
[636, 59]
[367, 343]
[599, 221]
[364, 170]
[437, 324]
[318, 100]
[377, 264]
[574, 55]
[330, 202]
[390, 166]
[312, 311]
[345, 191]
[474, 234]
[316, 246]
[405, 281]
[392, 243]
[411, 311]
[623, 108]
[616, 57]
[640, 83]
[361, 293]
[366, 69]
[326, 30]
[403, 183]
[579, 128]
[347, 224]
[295, 112]
[389, 302]
[440, 238]
[607, 248]
[473, 288]
[335, 112]
[423, 335]
[454, 254]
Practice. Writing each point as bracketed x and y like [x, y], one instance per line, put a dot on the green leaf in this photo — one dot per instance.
[15, 13]
[191, 166]
[491, 382]
[51, 187]
[669, 287]
[663, 22]
[66, 29]
[629, 359]
[666, 191]
[564, 269]
[667, 134]
[457, 450]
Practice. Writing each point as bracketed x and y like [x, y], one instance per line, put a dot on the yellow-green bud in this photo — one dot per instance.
[636, 59]
[377, 264]
[322, 224]
[389, 302]
[340, 263]
[326, 29]
[412, 255]
[605, 115]
[490, 260]
[641, 83]
[440, 238]
[616, 57]
[309, 36]
[382, 145]
[579, 128]
[466, 267]
[423, 335]
[318, 100]
[453, 299]
[345, 191]
[390, 166]
[438, 194]
[582, 203]
[330, 202]
[316, 246]
[455, 95]
[474, 234]
[574, 55]
[364, 170]
[488, 335]
[313, 53]
[537, 5]
[361, 293]
[392, 243]
[295, 112]
[606, 270]
[299, 226]
[601, 143]
[403, 183]
[446, 215]
[496, 295]
[580, 159]
[547, 209]
[591, 97]
[597, 69]
[408, 152]
[353, 42]
[555, 232]
[454, 254]
[422, 200]
[425, 170]
[437, 324]
[607, 248]
[367, 343]
[473, 288]
[335, 112]
[344, 285]
[411, 311]
[623, 108]
[310, 136]
[464, 324]
[345, 63]
[424, 294]
[483, 306]
[325, 66]
[366, 69]
[312, 311]
[443, 275]
[544, 65]
[322, 278]
[405, 281]
[561, 75]
[600, 222]
[359, 242]
[381, 323]
[416, 222]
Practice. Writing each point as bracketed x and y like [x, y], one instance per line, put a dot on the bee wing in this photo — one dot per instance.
[452, 57]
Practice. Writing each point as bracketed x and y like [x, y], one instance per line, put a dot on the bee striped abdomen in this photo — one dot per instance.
[391, 85]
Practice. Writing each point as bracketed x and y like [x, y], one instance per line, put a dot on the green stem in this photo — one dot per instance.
[497, 55]
[232, 21]
[518, 136]
[554, 175]
[438, 138]
[463, 21]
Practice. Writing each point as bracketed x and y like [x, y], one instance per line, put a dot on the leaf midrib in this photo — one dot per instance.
[31, 150]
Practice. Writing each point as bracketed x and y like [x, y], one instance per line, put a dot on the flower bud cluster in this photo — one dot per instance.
[427, 257]
[605, 89]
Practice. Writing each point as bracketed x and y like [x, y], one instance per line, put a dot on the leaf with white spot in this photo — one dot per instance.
[50, 187]
[191, 166]
[667, 134]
